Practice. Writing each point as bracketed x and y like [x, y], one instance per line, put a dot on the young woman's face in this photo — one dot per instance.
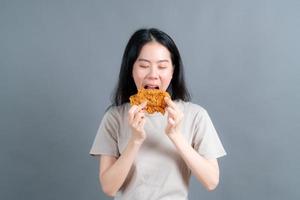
[153, 68]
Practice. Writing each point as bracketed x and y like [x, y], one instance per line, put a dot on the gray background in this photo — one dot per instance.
[60, 60]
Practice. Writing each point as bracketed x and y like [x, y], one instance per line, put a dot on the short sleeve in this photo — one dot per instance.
[106, 140]
[206, 139]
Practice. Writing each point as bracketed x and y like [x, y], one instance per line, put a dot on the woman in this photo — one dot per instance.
[151, 156]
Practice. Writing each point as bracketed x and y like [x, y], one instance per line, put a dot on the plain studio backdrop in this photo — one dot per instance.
[59, 62]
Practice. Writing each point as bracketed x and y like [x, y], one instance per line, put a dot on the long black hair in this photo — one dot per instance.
[126, 86]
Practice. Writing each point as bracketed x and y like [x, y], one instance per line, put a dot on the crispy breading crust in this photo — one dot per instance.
[155, 100]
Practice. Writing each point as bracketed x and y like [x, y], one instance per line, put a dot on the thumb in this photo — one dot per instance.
[143, 105]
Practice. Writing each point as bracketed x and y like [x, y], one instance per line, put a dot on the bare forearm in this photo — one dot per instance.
[206, 172]
[113, 178]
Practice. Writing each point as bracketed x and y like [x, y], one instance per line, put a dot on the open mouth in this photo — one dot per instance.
[154, 87]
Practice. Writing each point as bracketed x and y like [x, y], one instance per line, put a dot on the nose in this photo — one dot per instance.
[153, 73]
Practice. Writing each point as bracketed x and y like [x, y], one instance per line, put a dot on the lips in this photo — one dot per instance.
[148, 86]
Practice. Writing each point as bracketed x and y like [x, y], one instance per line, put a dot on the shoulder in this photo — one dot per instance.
[117, 111]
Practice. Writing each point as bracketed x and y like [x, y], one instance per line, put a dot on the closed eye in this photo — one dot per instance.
[162, 67]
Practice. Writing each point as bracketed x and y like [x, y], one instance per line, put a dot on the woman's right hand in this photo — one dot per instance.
[136, 118]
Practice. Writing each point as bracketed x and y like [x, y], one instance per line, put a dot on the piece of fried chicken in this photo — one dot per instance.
[154, 97]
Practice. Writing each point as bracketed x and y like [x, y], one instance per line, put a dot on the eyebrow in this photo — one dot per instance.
[145, 60]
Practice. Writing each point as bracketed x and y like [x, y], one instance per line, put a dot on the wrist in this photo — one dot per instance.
[179, 141]
[175, 137]
[137, 141]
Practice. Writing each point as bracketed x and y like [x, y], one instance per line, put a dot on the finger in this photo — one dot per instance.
[169, 102]
[171, 121]
[142, 106]
[173, 114]
[133, 109]
[131, 113]
[138, 117]
[142, 122]
[135, 124]
[171, 111]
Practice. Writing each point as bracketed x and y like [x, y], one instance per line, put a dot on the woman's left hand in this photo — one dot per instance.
[175, 117]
